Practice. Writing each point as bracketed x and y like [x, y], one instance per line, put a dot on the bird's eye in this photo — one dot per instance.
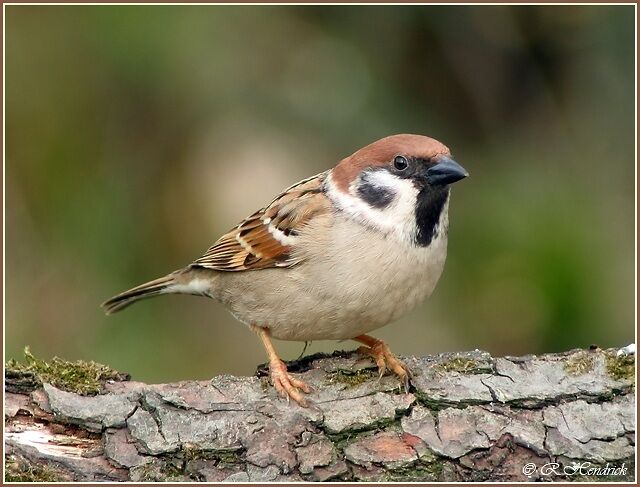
[400, 163]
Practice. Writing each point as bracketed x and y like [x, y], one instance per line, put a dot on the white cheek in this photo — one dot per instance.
[398, 218]
[403, 207]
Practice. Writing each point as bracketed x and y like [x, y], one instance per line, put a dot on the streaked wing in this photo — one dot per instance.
[267, 238]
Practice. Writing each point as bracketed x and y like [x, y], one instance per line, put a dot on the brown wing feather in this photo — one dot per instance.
[266, 238]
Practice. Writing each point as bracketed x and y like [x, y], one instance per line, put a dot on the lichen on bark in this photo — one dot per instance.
[467, 416]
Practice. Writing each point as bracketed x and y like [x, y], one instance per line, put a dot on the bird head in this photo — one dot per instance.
[399, 184]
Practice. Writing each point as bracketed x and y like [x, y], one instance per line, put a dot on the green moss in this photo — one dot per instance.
[460, 364]
[178, 467]
[351, 379]
[580, 363]
[418, 472]
[23, 472]
[439, 404]
[622, 367]
[265, 384]
[86, 378]
[227, 457]
[342, 440]
[159, 470]
[172, 469]
[148, 472]
[221, 457]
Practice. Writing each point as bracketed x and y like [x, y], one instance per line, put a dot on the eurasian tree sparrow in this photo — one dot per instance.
[334, 256]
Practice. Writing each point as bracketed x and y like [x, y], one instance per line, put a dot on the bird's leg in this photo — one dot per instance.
[384, 358]
[286, 385]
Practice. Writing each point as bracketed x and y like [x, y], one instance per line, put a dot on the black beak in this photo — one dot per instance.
[446, 171]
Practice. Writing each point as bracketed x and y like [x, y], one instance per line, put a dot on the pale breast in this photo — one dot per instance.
[376, 279]
[348, 283]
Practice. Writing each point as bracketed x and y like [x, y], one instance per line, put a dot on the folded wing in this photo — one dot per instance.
[268, 238]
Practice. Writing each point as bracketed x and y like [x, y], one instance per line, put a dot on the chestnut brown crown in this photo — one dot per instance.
[382, 152]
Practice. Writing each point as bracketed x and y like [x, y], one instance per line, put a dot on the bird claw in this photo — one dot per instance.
[288, 386]
[385, 359]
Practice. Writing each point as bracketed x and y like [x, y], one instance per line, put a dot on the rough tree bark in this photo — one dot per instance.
[467, 416]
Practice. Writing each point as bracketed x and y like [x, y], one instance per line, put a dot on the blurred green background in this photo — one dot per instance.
[136, 135]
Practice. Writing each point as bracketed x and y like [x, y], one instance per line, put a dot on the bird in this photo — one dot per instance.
[333, 257]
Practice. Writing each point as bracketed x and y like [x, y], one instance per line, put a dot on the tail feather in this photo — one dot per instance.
[146, 290]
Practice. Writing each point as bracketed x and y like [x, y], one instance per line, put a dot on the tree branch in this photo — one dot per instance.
[468, 416]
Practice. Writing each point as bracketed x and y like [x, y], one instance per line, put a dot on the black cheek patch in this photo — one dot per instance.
[376, 196]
